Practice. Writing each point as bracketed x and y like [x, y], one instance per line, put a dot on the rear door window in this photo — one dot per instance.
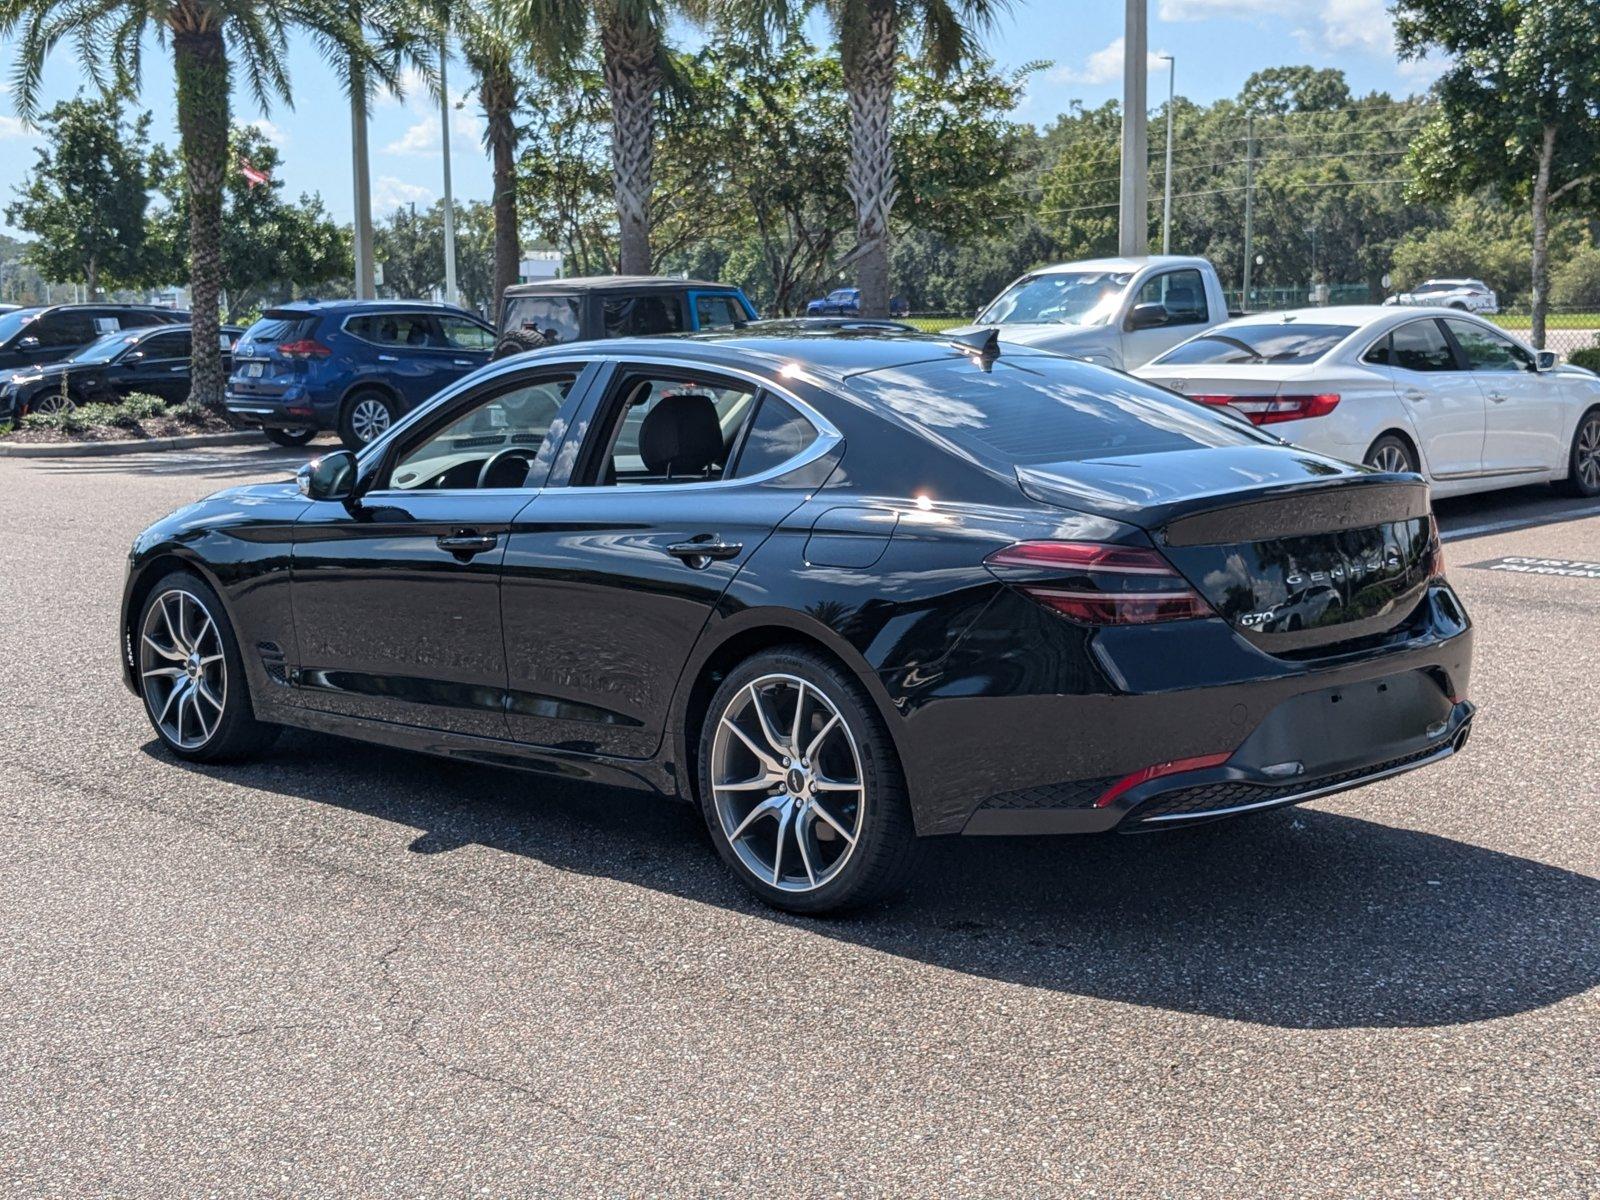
[554, 316]
[642, 316]
[777, 434]
[416, 331]
[1420, 346]
[670, 428]
[711, 310]
[64, 330]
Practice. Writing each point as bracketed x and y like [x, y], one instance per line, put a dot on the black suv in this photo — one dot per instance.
[610, 306]
[31, 336]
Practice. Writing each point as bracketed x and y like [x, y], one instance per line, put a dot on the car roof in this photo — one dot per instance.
[589, 283]
[314, 307]
[1120, 265]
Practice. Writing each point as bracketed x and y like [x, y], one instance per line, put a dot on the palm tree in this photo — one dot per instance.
[870, 34]
[634, 66]
[206, 39]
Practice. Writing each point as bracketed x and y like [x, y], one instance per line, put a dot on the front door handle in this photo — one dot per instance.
[1498, 397]
[462, 362]
[388, 358]
[1416, 394]
[464, 543]
[700, 553]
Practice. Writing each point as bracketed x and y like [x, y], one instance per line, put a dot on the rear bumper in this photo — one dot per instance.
[294, 410]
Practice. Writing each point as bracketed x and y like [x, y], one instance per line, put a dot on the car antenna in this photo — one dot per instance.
[985, 343]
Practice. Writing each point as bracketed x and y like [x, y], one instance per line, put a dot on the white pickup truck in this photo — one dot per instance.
[1117, 312]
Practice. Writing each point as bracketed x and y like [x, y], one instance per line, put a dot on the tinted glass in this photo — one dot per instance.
[463, 334]
[454, 457]
[1060, 298]
[555, 315]
[12, 322]
[282, 327]
[1275, 343]
[1182, 292]
[1487, 350]
[104, 349]
[711, 311]
[700, 453]
[777, 434]
[137, 320]
[1046, 411]
[166, 345]
[413, 330]
[62, 329]
[1420, 346]
[641, 316]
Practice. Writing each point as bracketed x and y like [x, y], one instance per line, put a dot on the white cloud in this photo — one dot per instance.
[274, 135]
[1319, 25]
[1103, 66]
[422, 136]
[14, 127]
[413, 87]
[389, 193]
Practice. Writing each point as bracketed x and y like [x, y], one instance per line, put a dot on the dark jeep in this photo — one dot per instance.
[591, 307]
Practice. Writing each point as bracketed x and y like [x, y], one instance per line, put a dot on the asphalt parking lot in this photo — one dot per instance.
[348, 970]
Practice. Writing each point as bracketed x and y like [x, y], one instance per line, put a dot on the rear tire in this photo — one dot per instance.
[365, 417]
[1390, 453]
[1583, 460]
[827, 825]
[191, 676]
[290, 437]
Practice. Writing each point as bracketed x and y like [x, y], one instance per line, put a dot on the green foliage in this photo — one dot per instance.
[130, 415]
[409, 245]
[1575, 283]
[1588, 358]
[85, 199]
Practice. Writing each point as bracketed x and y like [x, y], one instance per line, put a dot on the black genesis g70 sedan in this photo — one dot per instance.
[842, 591]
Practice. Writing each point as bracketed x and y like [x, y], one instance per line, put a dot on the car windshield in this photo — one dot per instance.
[11, 322]
[1059, 298]
[103, 349]
[1258, 344]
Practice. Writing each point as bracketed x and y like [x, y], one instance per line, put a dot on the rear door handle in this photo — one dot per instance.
[704, 551]
[462, 362]
[388, 358]
[465, 542]
[1498, 397]
[1416, 394]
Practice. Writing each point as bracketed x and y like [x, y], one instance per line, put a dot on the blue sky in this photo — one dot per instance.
[1218, 44]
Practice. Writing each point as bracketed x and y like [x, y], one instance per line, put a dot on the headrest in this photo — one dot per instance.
[680, 435]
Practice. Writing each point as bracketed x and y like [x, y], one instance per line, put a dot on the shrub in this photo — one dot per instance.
[1589, 357]
[142, 406]
[1576, 282]
[67, 420]
[190, 413]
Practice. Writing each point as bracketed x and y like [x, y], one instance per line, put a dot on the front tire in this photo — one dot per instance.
[365, 417]
[1583, 460]
[1390, 453]
[801, 787]
[290, 437]
[191, 675]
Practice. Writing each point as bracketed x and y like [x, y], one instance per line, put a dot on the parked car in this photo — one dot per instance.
[846, 302]
[1446, 394]
[355, 366]
[589, 307]
[153, 360]
[31, 336]
[838, 591]
[1464, 295]
[1117, 312]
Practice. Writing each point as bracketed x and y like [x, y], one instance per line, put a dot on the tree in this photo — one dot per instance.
[410, 246]
[85, 200]
[206, 38]
[633, 63]
[272, 249]
[871, 35]
[1518, 109]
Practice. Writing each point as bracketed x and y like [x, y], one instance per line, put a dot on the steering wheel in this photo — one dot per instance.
[525, 453]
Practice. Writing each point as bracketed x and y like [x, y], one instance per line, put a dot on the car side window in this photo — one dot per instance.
[1486, 350]
[711, 311]
[670, 428]
[641, 316]
[414, 330]
[1182, 292]
[462, 334]
[62, 329]
[1421, 346]
[555, 316]
[777, 434]
[491, 445]
[166, 345]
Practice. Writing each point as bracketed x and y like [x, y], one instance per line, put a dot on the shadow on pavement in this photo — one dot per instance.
[246, 464]
[1297, 918]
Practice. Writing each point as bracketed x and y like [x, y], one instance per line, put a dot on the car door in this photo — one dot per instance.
[1183, 293]
[679, 476]
[404, 350]
[1443, 400]
[157, 366]
[463, 345]
[55, 335]
[396, 595]
[1522, 418]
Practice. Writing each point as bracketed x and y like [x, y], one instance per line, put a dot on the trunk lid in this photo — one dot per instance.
[1300, 554]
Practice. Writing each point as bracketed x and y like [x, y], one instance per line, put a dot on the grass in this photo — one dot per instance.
[1560, 320]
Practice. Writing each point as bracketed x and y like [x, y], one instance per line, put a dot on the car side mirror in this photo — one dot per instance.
[977, 313]
[1147, 316]
[330, 477]
[1545, 360]
[133, 356]
[28, 343]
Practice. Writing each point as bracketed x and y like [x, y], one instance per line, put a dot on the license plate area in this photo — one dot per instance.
[254, 370]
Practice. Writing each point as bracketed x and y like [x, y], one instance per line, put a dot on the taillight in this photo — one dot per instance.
[1270, 410]
[304, 348]
[1096, 584]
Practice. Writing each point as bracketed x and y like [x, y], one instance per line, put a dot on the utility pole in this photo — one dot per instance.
[1166, 179]
[360, 169]
[1249, 203]
[1133, 218]
[449, 200]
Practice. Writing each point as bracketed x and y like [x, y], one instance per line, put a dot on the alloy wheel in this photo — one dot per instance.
[52, 402]
[786, 783]
[369, 419]
[1587, 459]
[182, 669]
[1389, 457]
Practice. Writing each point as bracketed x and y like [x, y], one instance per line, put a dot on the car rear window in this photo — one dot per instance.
[1274, 343]
[1046, 410]
[275, 327]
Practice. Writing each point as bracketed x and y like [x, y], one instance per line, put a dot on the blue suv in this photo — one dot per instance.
[349, 365]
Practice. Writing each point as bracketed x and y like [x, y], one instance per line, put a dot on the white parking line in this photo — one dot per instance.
[1510, 523]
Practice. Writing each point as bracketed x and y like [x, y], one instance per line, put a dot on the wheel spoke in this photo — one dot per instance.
[816, 742]
[171, 654]
[800, 834]
[172, 634]
[850, 838]
[759, 783]
[211, 698]
[834, 785]
[785, 815]
[163, 673]
[765, 759]
[177, 691]
[767, 730]
[760, 810]
[794, 729]
[183, 626]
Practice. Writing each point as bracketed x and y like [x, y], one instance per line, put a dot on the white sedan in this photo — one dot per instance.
[1441, 392]
[1467, 295]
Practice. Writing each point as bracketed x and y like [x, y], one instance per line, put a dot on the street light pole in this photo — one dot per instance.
[1133, 217]
[1249, 203]
[1166, 198]
[450, 296]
